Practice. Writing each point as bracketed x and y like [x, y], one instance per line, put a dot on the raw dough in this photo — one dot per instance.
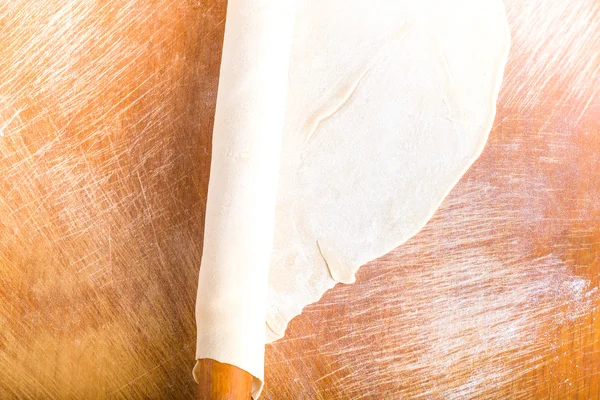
[388, 104]
[240, 213]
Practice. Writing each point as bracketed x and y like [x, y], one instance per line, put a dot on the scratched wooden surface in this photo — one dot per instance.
[105, 122]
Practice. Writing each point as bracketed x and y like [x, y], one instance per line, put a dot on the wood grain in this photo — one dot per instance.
[106, 116]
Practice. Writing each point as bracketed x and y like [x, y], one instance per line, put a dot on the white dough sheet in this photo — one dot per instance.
[340, 128]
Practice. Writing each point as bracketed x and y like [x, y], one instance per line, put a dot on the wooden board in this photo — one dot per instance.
[106, 115]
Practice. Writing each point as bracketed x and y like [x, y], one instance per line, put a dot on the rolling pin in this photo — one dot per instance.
[239, 227]
[218, 381]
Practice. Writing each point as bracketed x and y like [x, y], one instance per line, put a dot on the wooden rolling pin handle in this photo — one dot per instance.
[218, 381]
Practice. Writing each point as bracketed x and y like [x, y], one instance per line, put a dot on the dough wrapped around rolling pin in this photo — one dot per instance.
[240, 211]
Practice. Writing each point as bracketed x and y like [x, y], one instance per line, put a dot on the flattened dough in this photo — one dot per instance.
[388, 104]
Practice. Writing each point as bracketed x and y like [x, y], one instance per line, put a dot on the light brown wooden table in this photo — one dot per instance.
[106, 115]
